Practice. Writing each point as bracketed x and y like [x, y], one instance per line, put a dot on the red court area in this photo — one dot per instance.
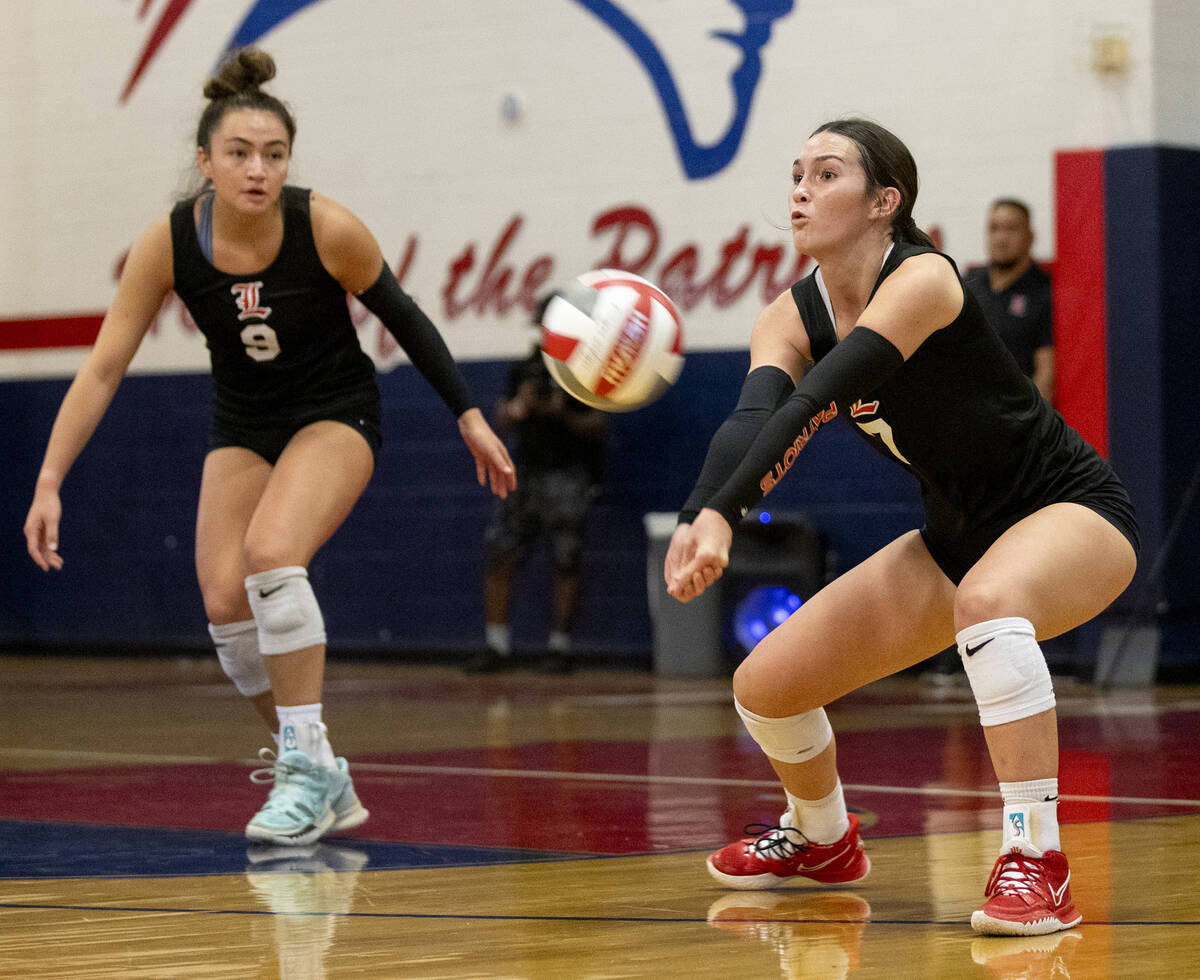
[626, 797]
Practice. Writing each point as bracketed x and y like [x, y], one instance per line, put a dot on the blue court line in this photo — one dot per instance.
[475, 917]
[38, 850]
[30, 850]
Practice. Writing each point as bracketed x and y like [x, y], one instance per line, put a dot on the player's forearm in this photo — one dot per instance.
[82, 409]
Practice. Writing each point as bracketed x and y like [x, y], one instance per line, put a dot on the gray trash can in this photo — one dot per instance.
[687, 635]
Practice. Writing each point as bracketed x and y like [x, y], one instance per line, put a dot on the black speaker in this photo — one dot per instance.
[778, 560]
[784, 548]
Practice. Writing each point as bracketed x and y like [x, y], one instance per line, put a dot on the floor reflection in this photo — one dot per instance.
[816, 934]
[308, 890]
[1027, 957]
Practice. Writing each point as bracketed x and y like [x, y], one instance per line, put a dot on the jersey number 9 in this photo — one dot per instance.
[261, 342]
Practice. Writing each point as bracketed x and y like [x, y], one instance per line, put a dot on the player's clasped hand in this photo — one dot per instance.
[698, 555]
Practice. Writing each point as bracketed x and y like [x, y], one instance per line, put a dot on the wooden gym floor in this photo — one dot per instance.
[526, 826]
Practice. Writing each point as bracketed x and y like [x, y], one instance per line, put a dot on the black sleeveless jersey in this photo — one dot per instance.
[986, 448]
[281, 342]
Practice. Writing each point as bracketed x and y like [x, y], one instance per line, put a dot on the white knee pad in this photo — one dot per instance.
[285, 610]
[237, 650]
[796, 738]
[1007, 670]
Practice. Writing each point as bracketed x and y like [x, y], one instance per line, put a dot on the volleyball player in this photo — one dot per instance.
[1027, 531]
[264, 268]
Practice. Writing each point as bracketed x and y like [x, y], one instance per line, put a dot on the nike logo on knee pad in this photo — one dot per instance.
[969, 650]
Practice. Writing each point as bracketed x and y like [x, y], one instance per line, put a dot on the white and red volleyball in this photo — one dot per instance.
[613, 340]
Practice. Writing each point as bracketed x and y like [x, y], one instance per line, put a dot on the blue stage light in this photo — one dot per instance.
[760, 611]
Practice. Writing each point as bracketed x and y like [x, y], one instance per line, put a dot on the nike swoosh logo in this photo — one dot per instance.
[970, 651]
[263, 593]
[1057, 893]
[824, 864]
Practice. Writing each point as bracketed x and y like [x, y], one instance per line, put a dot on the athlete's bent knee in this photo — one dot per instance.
[285, 610]
[224, 603]
[237, 651]
[1007, 670]
[978, 600]
[796, 738]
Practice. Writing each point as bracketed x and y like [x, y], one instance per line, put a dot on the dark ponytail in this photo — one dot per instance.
[905, 230]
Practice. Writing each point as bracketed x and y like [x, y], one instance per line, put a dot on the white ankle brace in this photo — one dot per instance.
[300, 727]
[1031, 813]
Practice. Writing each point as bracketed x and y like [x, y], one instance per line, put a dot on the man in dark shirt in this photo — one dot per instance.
[1015, 293]
[558, 452]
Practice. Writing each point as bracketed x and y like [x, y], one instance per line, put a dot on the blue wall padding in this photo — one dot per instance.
[405, 571]
[1152, 240]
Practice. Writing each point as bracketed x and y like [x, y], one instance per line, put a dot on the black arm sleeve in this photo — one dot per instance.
[854, 368]
[415, 332]
[764, 390]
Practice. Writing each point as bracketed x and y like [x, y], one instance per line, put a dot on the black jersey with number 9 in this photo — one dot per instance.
[281, 341]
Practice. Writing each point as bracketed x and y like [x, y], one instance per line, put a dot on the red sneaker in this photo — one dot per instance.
[1028, 894]
[776, 854]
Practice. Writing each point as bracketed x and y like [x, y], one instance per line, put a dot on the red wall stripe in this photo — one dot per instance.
[64, 331]
[1080, 311]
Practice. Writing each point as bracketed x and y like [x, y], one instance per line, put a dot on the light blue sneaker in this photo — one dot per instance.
[348, 811]
[299, 808]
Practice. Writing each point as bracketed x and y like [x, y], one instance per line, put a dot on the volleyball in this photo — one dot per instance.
[612, 340]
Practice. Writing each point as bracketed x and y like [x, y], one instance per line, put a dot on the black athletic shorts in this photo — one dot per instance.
[269, 441]
[956, 556]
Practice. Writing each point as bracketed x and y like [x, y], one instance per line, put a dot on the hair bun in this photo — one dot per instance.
[242, 70]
